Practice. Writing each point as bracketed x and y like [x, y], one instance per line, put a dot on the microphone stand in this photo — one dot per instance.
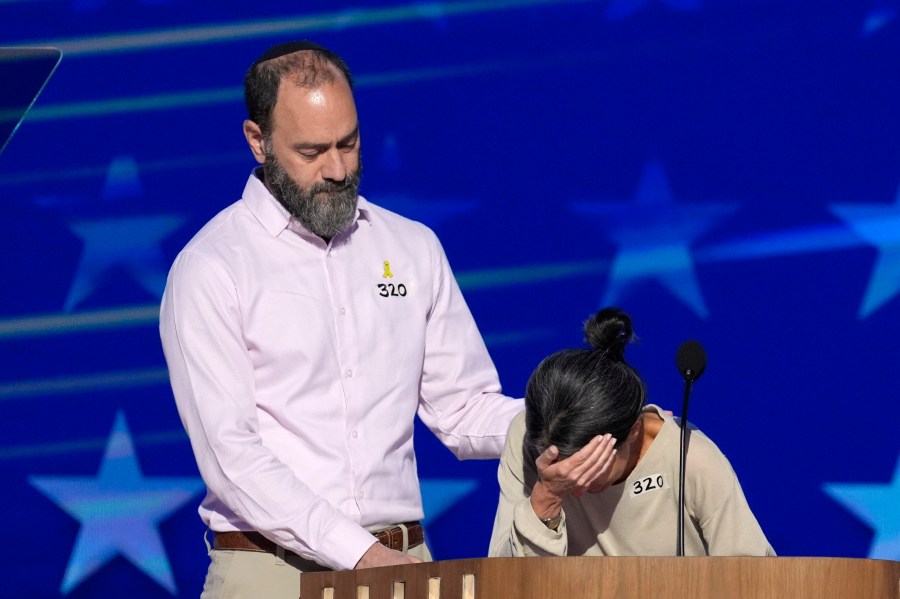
[691, 362]
[688, 380]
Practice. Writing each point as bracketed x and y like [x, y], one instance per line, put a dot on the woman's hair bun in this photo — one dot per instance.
[609, 329]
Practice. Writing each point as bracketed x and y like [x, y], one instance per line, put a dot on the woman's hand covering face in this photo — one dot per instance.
[587, 470]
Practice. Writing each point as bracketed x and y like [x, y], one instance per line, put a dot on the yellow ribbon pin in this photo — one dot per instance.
[387, 271]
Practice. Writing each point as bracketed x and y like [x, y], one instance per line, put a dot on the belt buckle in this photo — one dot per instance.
[393, 537]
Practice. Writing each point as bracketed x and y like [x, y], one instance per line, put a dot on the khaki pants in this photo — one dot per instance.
[255, 575]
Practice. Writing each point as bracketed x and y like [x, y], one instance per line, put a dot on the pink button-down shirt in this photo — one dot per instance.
[298, 368]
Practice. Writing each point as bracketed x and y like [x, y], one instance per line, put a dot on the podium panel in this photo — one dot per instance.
[615, 578]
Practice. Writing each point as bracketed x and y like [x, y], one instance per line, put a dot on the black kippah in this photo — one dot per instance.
[289, 48]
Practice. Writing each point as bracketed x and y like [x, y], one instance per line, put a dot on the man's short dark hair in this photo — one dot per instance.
[307, 64]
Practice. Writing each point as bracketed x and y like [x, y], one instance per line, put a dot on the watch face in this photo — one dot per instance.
[552, 523]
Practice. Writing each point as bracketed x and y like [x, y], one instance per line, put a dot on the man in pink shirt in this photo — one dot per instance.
[304, 328]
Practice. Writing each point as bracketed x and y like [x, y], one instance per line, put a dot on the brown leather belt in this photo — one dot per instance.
[393, 537]
[253, 541]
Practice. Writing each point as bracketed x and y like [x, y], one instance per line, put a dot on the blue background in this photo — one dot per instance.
[726, 170]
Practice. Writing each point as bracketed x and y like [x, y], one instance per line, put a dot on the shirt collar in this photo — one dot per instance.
[274, 217]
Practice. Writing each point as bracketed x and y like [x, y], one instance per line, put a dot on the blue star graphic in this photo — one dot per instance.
[122, 180]
[653, 235]
[878, 17]
[131, 243]
[429, 212]
[441, 494]
[621, 9]
[122, 185]
[878, 505]
[880, 226]
[391, 159]
[119, 510]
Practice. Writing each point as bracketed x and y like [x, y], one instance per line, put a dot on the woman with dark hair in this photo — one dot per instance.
[590, 469]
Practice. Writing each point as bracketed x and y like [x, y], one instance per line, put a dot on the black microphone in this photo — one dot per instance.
[691, 362]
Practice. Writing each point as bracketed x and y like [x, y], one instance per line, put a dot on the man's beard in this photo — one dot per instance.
[325, 208]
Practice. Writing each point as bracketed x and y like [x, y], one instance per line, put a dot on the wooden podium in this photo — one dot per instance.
[615, 577]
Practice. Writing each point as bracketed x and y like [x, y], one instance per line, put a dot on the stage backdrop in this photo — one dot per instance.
[725, 170]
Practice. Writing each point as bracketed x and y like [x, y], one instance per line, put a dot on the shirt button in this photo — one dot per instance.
[360, 495]
[349, 373]
[343, 311]
[354, 434]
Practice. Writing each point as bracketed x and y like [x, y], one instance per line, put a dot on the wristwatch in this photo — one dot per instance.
[553, 521]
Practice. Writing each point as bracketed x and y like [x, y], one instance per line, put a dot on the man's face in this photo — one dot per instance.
[312, 160]
[325, 208]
